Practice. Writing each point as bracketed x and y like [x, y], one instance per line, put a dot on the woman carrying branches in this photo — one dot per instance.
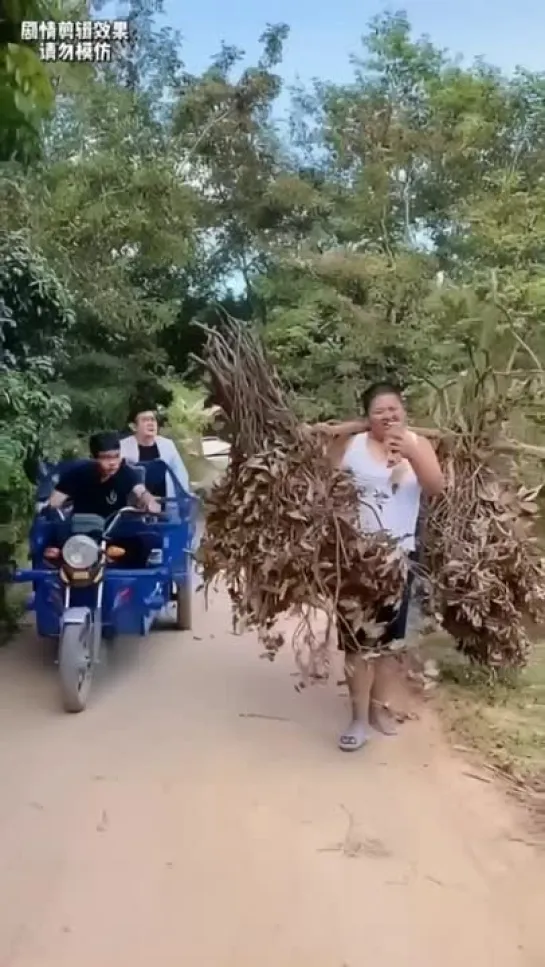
[392, 467]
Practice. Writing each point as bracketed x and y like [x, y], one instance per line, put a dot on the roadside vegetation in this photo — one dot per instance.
[501, 719]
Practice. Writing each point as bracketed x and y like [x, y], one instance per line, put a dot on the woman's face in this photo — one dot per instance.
[385, 411]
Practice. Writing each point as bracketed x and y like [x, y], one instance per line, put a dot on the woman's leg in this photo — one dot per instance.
[387, 671]
[360, 675]
[380, 716]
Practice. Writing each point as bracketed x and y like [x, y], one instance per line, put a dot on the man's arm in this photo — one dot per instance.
[134, 487]
[145, 500]
[57, 499]
[178, 468]
[65, 489]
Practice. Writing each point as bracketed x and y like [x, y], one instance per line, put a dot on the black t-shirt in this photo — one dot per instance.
[156, 475]
[145, 454]
[91, 495]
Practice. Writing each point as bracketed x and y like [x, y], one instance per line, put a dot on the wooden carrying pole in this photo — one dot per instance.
[349, 428]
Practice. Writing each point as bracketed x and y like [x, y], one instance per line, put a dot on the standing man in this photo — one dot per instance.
[146, 445]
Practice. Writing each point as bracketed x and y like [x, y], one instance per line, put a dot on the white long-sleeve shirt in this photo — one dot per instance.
[168, 453]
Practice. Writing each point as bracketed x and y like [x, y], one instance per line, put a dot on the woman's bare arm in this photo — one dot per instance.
[425, 464]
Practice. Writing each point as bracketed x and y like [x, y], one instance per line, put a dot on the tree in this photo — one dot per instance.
[115, 219]
[433, 172]
[372, 238]
[253, 200]
[27, 93]
[35, 319]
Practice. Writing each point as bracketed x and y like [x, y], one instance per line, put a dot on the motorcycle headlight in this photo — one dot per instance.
[80, 552]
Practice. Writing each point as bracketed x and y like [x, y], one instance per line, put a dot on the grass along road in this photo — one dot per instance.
[504, 720]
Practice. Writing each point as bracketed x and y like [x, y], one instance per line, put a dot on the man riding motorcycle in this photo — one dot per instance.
[103, 486]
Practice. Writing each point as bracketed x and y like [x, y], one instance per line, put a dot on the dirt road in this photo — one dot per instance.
[199, 815]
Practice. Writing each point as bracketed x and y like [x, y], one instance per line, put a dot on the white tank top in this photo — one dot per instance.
[396, 508]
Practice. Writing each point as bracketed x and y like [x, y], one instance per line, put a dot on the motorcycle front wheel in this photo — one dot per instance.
[76, 666]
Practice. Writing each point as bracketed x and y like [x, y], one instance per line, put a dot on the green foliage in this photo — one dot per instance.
[37, 312]
[341, 320]
[29, 416]
[26, 97]
[35, 320]
[188, 418]
[26, 84]
[157, 187]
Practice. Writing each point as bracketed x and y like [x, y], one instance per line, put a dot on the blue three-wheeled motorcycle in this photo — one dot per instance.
[83, 595]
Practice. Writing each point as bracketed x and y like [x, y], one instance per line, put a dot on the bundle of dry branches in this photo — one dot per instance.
[247, 389]
[487, 576]
[281, 528]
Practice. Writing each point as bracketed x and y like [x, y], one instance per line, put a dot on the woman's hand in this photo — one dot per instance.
[401, 442]
[421, 455]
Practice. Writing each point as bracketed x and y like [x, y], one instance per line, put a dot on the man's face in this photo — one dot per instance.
[108, 463]
[146, 424]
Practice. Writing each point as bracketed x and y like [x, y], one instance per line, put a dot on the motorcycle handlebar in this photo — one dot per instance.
[146, 516]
